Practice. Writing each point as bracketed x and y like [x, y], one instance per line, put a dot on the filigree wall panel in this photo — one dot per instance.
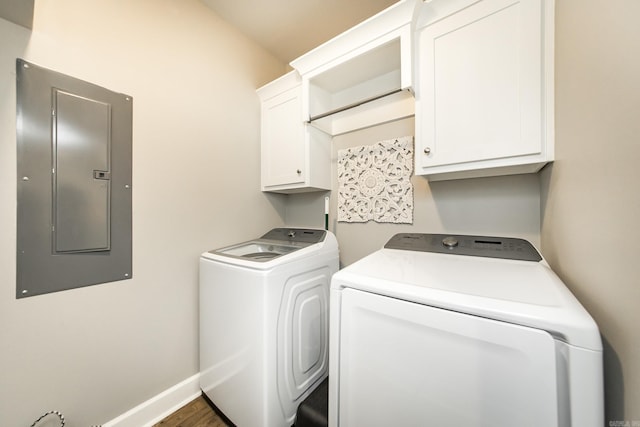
[374, 182]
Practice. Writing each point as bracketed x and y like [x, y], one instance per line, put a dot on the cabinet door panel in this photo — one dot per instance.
[283, 148]
[480, 73]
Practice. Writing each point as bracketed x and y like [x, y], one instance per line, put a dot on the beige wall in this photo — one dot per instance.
[499, 206]
[591, 194]
[94, 353]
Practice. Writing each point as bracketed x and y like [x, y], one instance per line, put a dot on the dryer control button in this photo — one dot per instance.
[450, 242]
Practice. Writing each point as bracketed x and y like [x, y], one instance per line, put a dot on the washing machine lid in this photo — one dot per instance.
[272, 245]
[258, 250]
[522, 291]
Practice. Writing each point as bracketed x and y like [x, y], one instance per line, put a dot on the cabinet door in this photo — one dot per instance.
[283, 141]
[481, 84]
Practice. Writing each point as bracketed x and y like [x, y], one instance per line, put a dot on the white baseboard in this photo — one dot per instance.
[158, 407]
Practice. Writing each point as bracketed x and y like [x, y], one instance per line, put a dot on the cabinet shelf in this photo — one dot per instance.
[358, 70]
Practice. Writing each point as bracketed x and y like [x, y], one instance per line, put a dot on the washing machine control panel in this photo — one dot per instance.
[490, 247]
[300, 235]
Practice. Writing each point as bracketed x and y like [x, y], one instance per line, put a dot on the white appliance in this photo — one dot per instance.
[436, 330]
[264, 324]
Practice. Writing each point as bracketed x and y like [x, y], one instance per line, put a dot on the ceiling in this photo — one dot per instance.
[290, 28]
[286, 28]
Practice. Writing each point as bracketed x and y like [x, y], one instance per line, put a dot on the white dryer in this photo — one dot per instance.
[436, 330]
[264, 324]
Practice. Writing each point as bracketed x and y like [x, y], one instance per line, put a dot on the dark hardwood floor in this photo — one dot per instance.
[197, 413]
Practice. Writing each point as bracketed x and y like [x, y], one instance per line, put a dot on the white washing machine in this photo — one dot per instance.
[264, 324]
[436, 330]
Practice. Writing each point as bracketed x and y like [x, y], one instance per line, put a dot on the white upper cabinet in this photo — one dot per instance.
[484, 102]
[363, 76]
[294, 157]
[482, 72]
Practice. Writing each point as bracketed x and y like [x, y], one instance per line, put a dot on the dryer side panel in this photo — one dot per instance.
[402, 363]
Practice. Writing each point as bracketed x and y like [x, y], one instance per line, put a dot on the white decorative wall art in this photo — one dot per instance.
[374, 182]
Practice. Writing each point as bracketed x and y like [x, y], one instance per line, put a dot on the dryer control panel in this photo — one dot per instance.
[490, 247]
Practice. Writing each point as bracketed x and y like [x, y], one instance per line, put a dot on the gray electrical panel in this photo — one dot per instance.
[74, 182]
